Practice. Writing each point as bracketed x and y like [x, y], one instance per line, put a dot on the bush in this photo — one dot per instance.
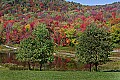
[12, 66]
[18, 68]
[71, 65]
[8, 65]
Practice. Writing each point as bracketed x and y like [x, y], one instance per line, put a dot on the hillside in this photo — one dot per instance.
[65, 20]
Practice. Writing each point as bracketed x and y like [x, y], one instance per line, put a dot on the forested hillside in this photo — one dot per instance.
[65, 20]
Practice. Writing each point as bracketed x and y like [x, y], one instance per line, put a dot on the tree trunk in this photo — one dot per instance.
[90, 67]
[40, 67]
[96, 65]
[29, 66]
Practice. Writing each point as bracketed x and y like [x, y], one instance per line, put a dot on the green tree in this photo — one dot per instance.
[43, 51]
[94, 46]
[25, 51]
[36, 48]
[115, 33]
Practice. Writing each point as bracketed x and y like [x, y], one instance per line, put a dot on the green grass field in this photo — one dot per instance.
[58, 75]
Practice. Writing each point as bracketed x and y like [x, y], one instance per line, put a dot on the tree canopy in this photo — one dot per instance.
[94, 45]
[37, 48]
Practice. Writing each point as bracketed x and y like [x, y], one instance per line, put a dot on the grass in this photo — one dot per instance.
[65, 49]
[115, 54]
[58, 75]
[3, 68]
[113, 64]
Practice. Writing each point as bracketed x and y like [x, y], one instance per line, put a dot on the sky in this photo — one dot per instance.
[94, 2]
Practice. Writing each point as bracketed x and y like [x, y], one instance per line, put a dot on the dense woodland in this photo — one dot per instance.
[65, 20]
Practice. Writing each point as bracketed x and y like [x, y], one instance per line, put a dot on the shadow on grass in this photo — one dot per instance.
[112, 71]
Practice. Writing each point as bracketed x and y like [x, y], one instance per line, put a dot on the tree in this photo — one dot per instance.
[43, 45]
[25, 51]
[94, 46]
[36, 48]
[115, 33]
[70, 34]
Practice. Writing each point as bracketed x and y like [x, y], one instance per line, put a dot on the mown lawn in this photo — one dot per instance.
[58, 75]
